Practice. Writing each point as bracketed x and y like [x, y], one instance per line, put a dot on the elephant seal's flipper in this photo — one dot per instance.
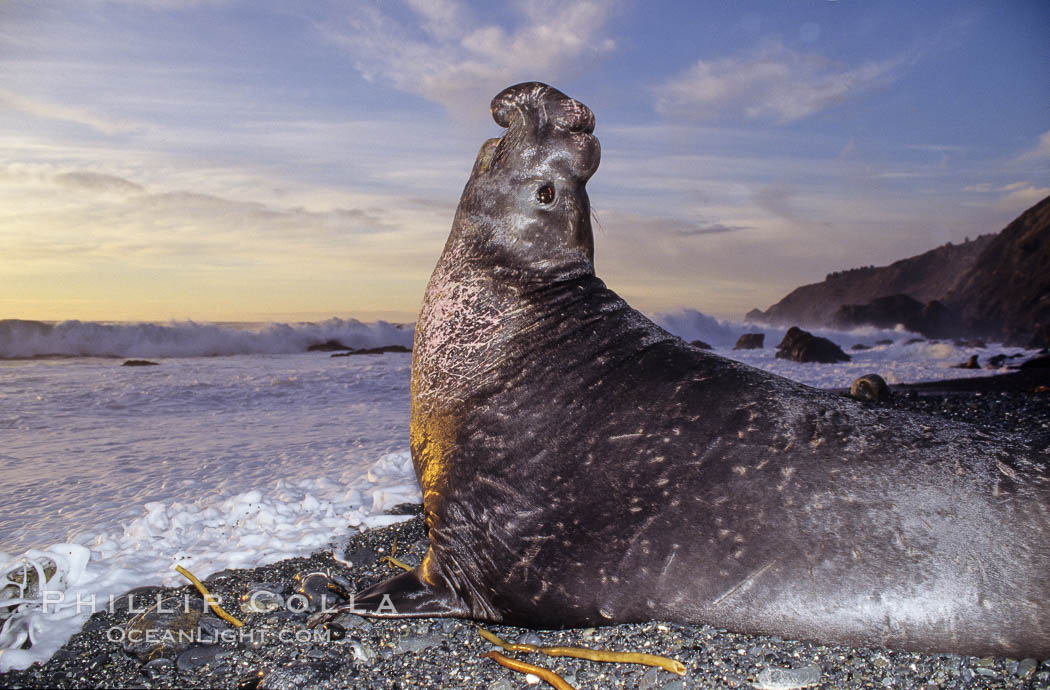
[407, 596]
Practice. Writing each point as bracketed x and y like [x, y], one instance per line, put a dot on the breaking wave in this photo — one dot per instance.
[20, 339]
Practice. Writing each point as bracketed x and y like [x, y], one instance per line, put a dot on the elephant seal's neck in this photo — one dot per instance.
[472, 317]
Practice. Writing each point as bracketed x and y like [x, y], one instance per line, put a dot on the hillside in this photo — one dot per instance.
[995, 286]
[928, 276]
[1007, 290]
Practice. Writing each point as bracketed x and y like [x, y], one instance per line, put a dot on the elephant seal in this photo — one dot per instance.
[581, 466]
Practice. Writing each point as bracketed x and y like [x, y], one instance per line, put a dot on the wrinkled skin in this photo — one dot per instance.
[581, 466]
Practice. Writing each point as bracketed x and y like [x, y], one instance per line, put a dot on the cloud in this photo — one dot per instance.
[669, 228]
[1022, 197]
[777, 84]
[1041, 149]
[689, 230]
[67, 113]
[898, 175]
[98, 182]
[1012, 196]
[119, 219]
[775, 198]
[448, 58]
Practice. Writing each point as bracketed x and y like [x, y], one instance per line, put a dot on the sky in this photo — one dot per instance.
[252, 160]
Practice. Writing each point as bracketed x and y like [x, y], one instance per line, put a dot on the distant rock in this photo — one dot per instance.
[884, 312]
[700, 344]
[801, 346]
[373, 350]
[996, 361]
[328, 346]
[933, 320]
[750, 341]
[971, 363]
[870, 388]
[860, 346]
[936, 320]
[139, 363]
[884, 341]
[1041, 362]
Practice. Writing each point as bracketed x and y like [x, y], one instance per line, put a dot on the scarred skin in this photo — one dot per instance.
[582, 466]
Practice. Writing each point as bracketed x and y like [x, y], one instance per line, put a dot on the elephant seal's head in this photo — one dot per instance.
[524, 212]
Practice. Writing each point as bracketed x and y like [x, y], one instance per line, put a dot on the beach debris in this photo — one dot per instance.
[213, 603]
[392, 560]
[663, 662]
[546, 675]
[971, 363]
[319, 587]
[32, 589]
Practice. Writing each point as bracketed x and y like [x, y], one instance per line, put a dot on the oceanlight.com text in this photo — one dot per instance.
[240, 635]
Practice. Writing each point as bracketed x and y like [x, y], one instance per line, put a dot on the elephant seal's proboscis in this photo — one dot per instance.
[581, 466]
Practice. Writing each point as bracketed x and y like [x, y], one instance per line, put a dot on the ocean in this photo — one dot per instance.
[240, 448]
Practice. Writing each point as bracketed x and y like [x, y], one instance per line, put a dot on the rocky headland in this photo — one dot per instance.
[996, 287]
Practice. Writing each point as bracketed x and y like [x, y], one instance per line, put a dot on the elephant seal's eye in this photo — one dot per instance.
[545, 194]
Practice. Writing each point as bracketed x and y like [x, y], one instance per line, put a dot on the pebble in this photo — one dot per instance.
[262, 598]
[1026, 669]
[250, 680]
[788, 678]
[158, 669]
[531, 638]
[418, 643]
[195, 657]
[501, 684]
[165, 629]
[363, 653]
[351, 621]
[649, 680]
[289, 678]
